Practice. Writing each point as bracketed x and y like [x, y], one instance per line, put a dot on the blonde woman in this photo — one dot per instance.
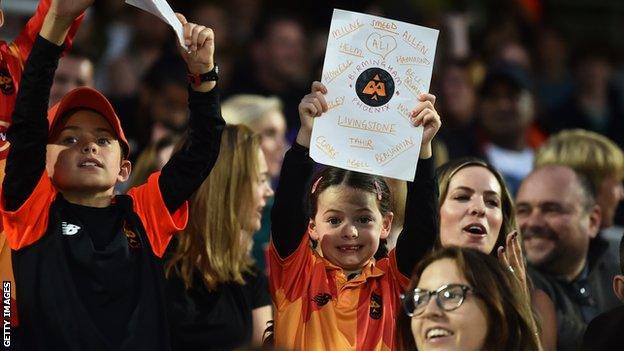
[218, 298]
[264, 116]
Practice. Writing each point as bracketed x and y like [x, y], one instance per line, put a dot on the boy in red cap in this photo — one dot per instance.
[87, 263]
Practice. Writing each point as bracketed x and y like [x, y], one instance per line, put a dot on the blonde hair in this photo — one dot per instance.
[584, 151]
[214, 243]
[249, 109]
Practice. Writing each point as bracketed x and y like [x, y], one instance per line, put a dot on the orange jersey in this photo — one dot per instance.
[317, 308]
[29, 223]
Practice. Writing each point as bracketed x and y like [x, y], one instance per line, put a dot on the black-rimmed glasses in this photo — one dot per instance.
[448, 298]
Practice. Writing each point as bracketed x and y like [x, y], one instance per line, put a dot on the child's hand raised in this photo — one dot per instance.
[69, 9]
[60, 17]
[426, 115]
[200, 41]
[311, 106]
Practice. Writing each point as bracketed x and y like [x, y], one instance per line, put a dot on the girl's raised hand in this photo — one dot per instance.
[311, 106]
[69, 9]
[426, 115]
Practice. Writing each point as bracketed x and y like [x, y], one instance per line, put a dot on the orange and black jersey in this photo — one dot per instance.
[317, 307]
[90, 278]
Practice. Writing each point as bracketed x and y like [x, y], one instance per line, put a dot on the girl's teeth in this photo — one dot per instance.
[434, 333]
[349, 248]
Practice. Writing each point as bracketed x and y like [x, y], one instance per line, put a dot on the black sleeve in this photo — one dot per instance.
[187, 168]
[420, 228]
[288, 217]
[259, 284]
[28, 134]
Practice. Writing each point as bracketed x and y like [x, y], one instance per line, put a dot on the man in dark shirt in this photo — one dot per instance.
[604, 333]
[559, 219]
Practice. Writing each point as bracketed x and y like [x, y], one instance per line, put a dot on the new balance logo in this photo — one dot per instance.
[69, 229]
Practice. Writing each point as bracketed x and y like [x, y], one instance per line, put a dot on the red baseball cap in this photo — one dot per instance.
[88, 98]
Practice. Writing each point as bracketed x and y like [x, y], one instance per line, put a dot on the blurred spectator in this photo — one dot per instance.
[264, 116]
[212, 14]
[604, 333]
[558, 216]
[594, 104]
[515, 53]
[506, 28]
[457, 99]
[279, 65]
[152, 159]
[245, 15]
[148, 37]
[164, 93]
[506, 117]
[75, 70]
[554, 84]
[159, 108]
[602, 161]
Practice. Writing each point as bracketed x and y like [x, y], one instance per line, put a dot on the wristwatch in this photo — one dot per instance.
[210, 76]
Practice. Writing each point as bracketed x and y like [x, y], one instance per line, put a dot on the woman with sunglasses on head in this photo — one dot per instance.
[463, 299]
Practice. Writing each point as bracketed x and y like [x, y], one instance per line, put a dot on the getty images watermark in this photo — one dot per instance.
[6, 313]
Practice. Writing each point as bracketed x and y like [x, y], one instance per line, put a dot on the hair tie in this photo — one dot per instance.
[315, 185]
[378, 188]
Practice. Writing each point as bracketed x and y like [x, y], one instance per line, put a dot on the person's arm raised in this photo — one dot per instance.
[60, 17]
[189, 167]
[28, 133]
[421, 224]
[288, 218]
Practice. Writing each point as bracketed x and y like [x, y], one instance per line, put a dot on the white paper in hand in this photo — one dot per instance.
[162, 10]
[374, 70]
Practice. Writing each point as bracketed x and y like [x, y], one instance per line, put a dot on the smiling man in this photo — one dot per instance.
[557, 213]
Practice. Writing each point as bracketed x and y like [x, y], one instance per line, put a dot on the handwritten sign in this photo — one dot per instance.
[162, 10]
[374, 70]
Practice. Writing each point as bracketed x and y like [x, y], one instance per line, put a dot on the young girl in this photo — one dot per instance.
[336, 296]
[218, 298]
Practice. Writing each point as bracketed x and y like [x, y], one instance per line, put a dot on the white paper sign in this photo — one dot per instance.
[162, 10]
[374, 70]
